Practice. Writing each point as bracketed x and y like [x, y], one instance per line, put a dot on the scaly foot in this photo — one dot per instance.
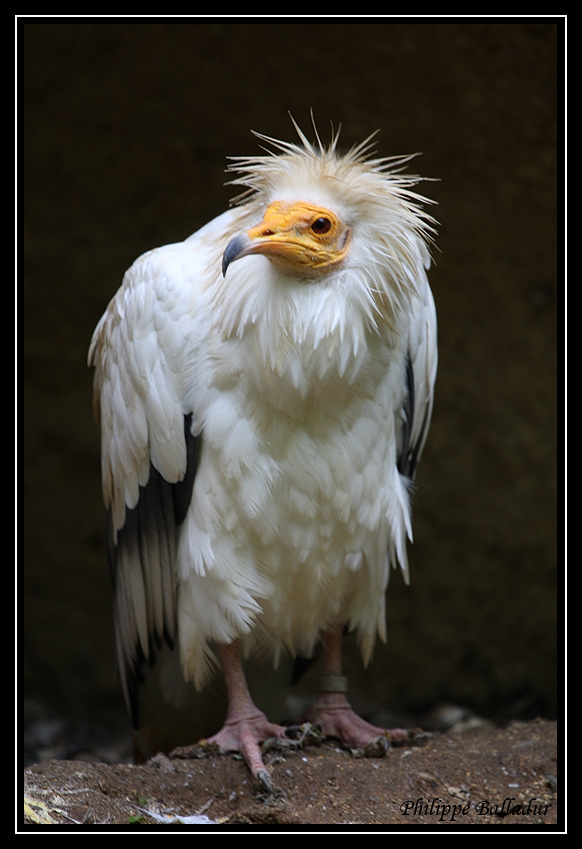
[334, 714]
[244, 734]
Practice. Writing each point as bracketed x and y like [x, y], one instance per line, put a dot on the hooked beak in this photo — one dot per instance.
[238, 247]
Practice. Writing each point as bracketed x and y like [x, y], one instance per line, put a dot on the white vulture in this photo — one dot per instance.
[264, 390]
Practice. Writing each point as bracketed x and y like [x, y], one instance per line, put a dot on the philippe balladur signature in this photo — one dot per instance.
[438, 808]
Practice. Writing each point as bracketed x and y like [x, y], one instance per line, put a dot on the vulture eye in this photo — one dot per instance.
[321, 226]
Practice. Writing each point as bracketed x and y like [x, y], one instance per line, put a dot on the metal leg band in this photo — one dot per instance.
[333, 684]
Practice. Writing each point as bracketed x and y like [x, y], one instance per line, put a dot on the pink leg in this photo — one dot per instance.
[333, 712]
[246, 726]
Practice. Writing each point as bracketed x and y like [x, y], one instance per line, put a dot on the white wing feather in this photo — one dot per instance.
[143, 349]
[424, 359]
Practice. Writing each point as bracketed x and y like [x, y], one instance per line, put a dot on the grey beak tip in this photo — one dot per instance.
[234, 250]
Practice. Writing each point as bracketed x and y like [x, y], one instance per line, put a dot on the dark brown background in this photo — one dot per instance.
[125, 128]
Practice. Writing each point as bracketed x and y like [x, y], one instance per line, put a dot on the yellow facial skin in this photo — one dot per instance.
[297, 237]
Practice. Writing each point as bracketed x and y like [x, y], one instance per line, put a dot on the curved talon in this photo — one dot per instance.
[377, 748]
[264, 779]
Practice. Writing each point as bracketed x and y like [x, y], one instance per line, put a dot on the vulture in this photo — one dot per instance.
[264, 390]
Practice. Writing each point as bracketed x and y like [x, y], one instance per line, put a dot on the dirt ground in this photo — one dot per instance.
[503, 777]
